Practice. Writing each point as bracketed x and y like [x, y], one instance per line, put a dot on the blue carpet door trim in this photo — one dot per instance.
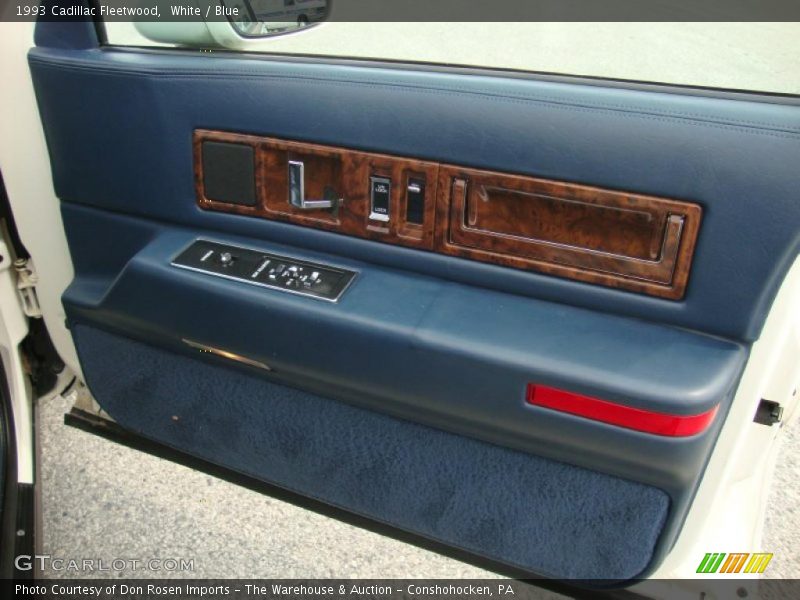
[548, 517]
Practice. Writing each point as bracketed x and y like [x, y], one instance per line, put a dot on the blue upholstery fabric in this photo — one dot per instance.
[541, 515]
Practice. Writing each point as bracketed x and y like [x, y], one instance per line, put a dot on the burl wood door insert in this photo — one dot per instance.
[629, 241]
[346, 172]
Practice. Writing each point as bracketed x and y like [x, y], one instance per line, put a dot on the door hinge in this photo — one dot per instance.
[768, 413]
[26, 287]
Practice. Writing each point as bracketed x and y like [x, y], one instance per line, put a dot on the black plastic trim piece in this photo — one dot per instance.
[768, 413]
[17, 500]
[25, 532]
[7, 215]
[99, 24]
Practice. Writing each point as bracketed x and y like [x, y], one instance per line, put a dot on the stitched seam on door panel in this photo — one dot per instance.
[730, 124]
[557, 100]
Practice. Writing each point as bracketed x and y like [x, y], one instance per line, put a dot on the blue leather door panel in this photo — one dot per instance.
[418, 348]
[737, 159]
[403, 473]
[422, 347]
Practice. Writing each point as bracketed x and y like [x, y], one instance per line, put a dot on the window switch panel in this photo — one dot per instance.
[282, 273]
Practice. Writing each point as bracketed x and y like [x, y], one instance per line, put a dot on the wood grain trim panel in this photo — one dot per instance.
[197, 147]
[347, 172]
[627, 241]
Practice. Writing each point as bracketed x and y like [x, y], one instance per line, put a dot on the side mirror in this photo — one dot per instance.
[235, 24]
[263, 18]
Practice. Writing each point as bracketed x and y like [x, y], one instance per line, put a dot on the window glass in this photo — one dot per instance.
[746, 56]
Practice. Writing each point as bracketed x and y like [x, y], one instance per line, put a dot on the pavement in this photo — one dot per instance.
[104, 501]
[782, 526]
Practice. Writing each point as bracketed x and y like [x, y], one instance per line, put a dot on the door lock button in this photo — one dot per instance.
[380, 196]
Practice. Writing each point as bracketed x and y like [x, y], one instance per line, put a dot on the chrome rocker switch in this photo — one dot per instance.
[380, 193]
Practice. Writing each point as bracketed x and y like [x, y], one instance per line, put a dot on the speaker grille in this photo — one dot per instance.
[229, 173]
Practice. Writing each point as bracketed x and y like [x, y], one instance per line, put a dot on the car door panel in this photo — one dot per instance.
[424, 480]
[418, 358]
[420, 365]
[405, 401]
[692, 148]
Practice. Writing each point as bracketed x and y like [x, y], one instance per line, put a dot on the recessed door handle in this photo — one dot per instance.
[297, 190]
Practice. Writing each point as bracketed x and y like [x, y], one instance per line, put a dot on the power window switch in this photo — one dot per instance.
[380, 193]
[415, 201]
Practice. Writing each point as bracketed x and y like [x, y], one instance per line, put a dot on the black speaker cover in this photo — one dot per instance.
[229, 173]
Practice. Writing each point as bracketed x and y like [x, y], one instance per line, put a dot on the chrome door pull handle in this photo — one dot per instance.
[297, 191]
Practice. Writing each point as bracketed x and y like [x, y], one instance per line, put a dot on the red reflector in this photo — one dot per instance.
[616, 414]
